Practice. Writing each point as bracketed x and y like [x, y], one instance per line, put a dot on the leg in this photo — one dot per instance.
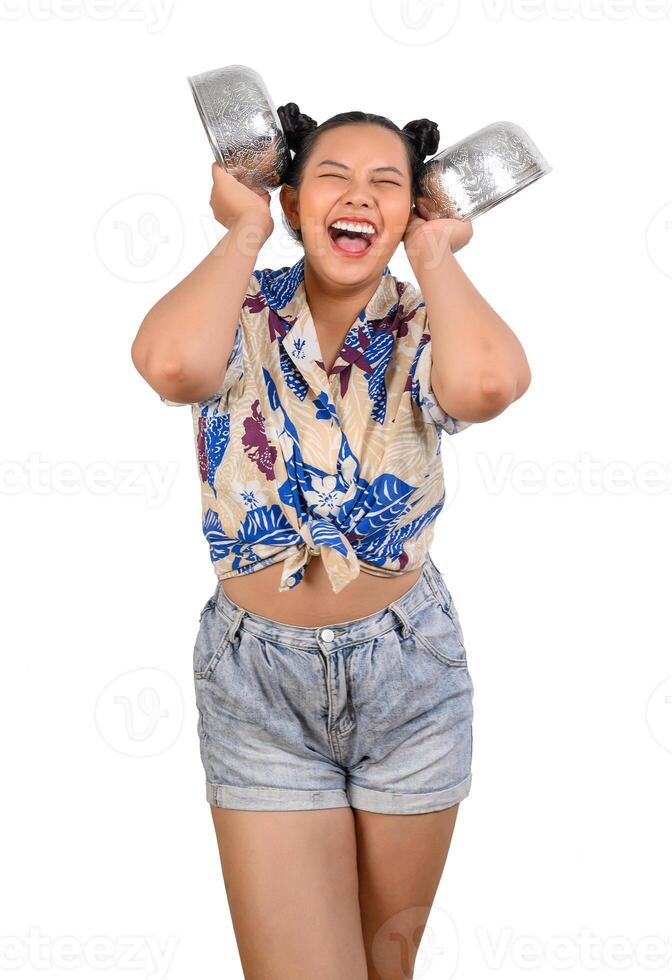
[400, 861]
[291, 883]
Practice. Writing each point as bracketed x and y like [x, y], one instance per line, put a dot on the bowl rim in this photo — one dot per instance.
[533, 176]
[205, 119]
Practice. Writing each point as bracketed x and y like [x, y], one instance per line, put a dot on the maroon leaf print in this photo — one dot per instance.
[263, 455]
[255, 303]
[277, 327]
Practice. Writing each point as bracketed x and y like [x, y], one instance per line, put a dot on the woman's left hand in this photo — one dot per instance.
[435, 233]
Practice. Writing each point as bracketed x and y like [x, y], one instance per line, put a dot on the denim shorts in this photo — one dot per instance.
[374, 713]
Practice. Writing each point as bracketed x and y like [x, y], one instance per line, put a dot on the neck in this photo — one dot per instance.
[335, 306]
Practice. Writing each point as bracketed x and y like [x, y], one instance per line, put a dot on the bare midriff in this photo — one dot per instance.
[313, 602]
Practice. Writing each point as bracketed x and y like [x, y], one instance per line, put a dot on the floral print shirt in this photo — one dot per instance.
[294, 461]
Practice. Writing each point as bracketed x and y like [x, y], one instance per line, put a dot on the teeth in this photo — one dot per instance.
[354, 226]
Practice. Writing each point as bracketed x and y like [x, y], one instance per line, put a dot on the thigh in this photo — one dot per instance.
[400, 861]
[292, 888]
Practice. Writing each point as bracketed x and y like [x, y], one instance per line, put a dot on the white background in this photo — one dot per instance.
[555, 540]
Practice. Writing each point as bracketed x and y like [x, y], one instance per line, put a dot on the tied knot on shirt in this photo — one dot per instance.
[318, 531]
[338, 554]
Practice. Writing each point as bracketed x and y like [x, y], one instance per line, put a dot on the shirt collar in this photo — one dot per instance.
[286, 296]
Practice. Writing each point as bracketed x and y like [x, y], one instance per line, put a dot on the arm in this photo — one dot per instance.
[478, 364]
[184, 342]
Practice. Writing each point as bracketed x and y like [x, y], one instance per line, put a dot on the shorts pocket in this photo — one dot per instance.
[452, 612]
[436, 627]
[212, 641]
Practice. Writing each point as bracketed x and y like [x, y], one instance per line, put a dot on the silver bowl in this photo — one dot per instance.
[479, 172]
[242, 124]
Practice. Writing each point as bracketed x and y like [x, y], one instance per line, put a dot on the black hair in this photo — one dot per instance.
[420, 137]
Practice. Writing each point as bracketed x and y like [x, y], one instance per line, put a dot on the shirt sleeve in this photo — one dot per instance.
[233, 374]
[422, 393]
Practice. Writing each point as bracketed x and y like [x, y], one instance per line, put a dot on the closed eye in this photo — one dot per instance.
[393, 182]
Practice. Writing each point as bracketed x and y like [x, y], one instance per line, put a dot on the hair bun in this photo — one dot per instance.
[425, 135]
[295, 124]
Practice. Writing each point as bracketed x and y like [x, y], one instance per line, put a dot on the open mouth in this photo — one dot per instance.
[352, 243]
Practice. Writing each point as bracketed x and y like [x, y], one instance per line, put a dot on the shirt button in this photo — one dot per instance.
[291, 580]
[327, 635]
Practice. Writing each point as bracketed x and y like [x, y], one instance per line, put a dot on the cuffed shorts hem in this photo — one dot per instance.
[381, 802]
[273, 798]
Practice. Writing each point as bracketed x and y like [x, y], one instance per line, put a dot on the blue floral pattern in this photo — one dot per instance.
[296, 461]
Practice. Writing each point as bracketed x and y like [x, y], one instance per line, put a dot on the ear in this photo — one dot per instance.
[288, 200]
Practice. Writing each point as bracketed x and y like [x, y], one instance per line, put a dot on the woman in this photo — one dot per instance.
[334, 698]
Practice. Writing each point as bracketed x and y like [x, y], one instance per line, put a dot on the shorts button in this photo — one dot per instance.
[327, 635]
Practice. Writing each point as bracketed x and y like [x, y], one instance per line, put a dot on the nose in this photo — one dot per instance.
[359, 194]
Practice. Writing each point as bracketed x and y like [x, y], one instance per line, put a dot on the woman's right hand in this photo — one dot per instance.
[232, 202]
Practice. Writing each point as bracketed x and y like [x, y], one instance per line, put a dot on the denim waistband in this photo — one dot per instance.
[429, 586]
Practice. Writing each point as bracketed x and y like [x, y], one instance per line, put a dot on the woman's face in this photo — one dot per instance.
[354, 171]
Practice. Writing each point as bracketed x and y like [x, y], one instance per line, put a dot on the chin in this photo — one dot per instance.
[340, 268]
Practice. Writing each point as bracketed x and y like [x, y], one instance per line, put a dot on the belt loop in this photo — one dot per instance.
[403, 618]
[235, 623]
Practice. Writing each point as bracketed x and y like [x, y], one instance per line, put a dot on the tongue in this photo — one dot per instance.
[348, 244]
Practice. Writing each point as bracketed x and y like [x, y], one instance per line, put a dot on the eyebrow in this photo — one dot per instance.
[335, 163]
